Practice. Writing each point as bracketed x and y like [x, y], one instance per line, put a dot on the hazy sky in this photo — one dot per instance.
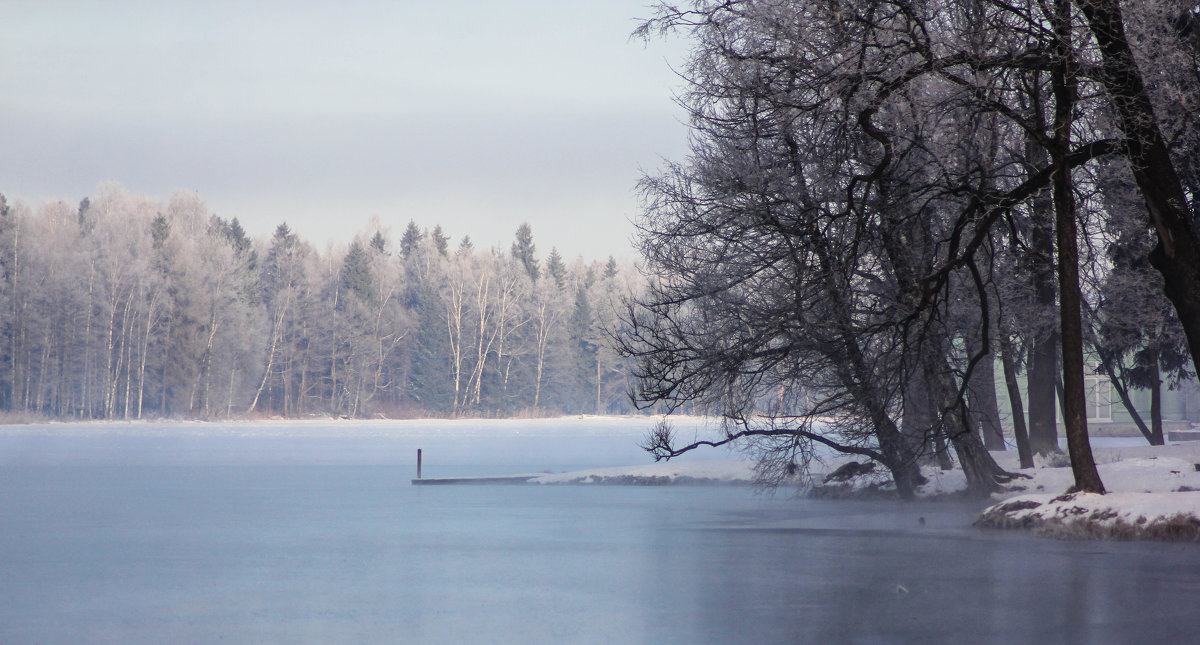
[473, 115]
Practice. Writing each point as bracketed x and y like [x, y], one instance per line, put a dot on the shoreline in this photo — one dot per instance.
[1154, 491]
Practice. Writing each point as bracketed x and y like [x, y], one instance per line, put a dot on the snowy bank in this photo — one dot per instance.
[1120, 516]
[1153, 493]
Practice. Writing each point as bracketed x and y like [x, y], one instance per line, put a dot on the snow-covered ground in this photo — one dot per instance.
[1153, 492]
[1125, 464]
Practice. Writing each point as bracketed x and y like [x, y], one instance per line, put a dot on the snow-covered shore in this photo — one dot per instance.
[1121, 516]
[1153, 493]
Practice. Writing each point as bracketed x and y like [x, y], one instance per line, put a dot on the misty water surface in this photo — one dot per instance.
[270, 539]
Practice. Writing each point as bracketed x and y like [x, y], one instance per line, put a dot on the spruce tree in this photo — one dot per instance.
[441, 241]
[556, 268]
[379, 243]
[411, 240]
[356, 272]
[524, 250]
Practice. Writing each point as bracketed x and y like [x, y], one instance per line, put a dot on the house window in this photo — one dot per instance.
[1099, 398]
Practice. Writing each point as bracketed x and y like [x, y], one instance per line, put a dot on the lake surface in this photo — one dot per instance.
[316, 539]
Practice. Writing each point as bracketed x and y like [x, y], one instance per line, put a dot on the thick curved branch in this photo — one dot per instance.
[660, 442]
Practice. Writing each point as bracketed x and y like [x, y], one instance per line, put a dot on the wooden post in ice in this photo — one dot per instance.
[418, 463]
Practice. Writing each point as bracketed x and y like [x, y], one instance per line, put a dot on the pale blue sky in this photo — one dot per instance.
[473, 115]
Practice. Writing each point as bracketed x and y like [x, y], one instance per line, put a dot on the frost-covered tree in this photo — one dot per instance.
[286, 292]
[129, 306]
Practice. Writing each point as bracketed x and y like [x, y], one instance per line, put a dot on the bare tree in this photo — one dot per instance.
[772, 263]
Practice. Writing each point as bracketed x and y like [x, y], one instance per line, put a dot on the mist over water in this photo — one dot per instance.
[320, 539]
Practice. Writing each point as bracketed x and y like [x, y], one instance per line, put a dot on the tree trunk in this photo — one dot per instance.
[984, 409]
[897, 453]
[455, 311]
[333, 345]
[1156, 421]
[162, 406]
[983, 474]
[942, 451]
[85, 400]
[18, 327]
[151, 316]
[1040, 377]
[1083, 465]
[229, 399]
[920, 420]
[276, 331]
[1123, 394]
[129, 345]
[599, 383]
[1020, 435]
[1042, 369]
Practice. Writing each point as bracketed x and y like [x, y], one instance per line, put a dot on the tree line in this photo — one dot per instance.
[884, 199]
[128, 307]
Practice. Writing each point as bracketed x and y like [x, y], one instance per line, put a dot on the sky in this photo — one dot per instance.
[476, 116]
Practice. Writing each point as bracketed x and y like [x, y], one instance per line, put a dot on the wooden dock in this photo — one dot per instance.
[447, 481]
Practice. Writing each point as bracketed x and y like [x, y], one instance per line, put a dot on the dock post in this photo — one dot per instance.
[418, 463]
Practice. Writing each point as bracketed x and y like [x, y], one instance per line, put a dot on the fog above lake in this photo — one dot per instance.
[289, 532]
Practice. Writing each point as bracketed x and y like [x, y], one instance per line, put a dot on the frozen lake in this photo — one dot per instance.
[246, 535]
